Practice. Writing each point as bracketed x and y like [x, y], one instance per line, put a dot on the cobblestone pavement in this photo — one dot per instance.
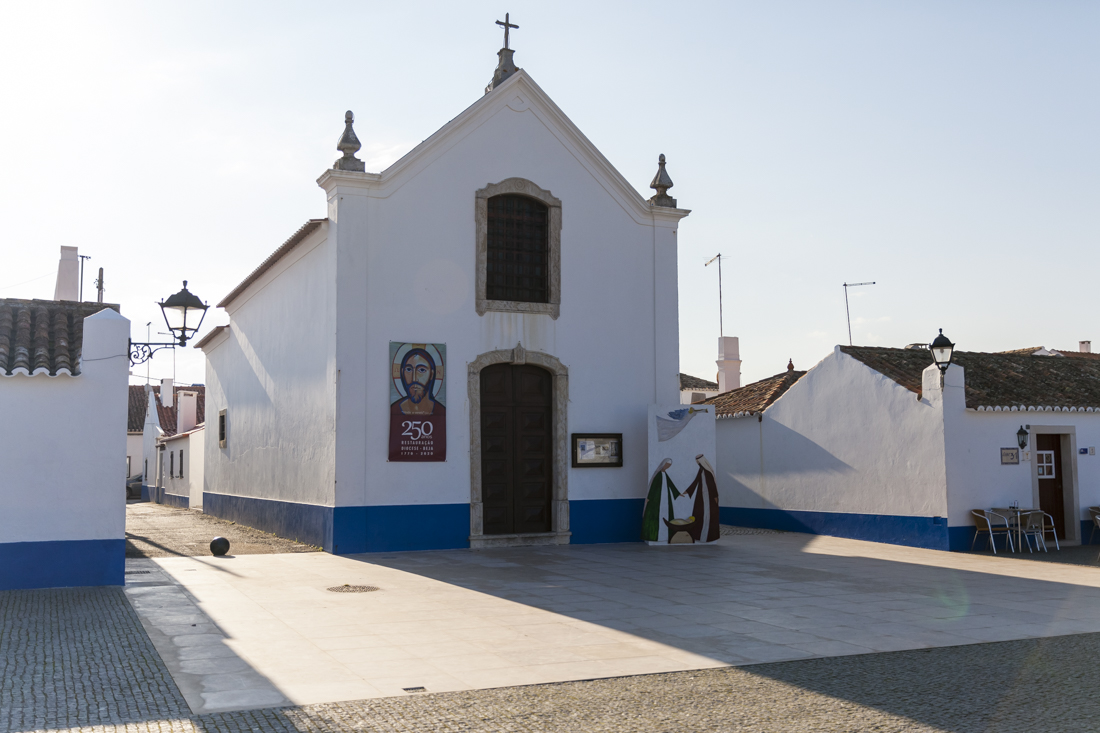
[154, 530]
[78, 659]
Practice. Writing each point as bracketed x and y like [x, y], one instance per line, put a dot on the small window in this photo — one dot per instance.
[1044, 462]
[127, 466]
[221, 429]
[181, 462]
[145, 475]
[171, 464]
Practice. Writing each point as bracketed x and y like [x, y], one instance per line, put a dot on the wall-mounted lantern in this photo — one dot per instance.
[177, 310]
[1021, 437]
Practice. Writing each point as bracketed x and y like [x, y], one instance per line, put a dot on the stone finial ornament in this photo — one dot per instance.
[505, 65]
[661, 183]
[790, 365]
[349, 146]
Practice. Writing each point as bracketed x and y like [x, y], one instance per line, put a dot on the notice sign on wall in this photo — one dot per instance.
[1010, 456]
[418, 399]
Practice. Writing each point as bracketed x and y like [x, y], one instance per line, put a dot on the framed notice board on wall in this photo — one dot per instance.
[597, 450]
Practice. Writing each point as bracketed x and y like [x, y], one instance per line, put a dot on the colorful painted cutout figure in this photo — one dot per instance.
[658, 509]
[705, 491]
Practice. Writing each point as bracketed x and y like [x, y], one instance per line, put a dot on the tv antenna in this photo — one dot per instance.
[721, 328]
[846, 310]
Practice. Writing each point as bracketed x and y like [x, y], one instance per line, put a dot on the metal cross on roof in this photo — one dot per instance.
[506, 25]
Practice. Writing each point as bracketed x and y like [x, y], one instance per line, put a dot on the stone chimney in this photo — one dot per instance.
[729, 364]
[166, 392]
[68, 275]
[1085, 347]
[187, 412]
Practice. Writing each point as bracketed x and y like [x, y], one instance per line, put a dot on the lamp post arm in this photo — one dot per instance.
[143, 352]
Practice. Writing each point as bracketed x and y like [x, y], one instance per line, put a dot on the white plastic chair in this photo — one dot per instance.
[1048, 526]
[993, 524]
[1032, 525]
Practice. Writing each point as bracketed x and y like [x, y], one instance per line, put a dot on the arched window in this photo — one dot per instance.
[518, 249]
[516, 267]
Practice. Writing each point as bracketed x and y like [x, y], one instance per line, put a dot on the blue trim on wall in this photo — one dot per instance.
[308, 523]
[928, 532]
[597, 521]
[353, 529]
[159, 495]
[62, 563]
[145, 492]
[402, 527]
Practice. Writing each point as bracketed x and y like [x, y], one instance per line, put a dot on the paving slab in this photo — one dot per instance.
[467, 620]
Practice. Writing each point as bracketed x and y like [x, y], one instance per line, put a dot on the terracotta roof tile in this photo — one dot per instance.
[135, 415]
[689, 382]
[1002, 380]
[755, 397]
[43, 336]
[167, 415]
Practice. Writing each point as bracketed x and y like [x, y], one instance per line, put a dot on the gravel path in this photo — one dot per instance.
[78, 659]
[154, 530]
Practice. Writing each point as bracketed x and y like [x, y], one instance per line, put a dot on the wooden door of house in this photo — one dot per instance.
[516, 449]
[1048, 464]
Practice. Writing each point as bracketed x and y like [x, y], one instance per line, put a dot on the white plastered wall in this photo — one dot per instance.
[134, 452]
[977, 480]
[406, 273]
[68, 484]
[844, 438]
[277, 365]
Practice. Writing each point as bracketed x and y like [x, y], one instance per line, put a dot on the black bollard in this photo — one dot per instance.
[219, 546]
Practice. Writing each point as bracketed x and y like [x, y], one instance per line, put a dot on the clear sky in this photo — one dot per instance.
[948, 151]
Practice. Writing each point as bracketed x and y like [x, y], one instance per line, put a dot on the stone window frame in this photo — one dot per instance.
[523, 187]
[559, 504]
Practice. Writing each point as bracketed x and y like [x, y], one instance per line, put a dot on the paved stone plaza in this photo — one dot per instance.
[258, 643]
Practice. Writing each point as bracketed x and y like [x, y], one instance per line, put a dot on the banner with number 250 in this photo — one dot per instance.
[418, 402]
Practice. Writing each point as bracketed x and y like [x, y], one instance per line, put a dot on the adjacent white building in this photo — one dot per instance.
[506, 264]
[867, 444]
[63, 374]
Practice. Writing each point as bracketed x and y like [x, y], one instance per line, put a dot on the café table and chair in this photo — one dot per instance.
[1025, 525]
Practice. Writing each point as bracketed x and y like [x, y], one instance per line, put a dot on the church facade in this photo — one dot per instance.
[414, 370]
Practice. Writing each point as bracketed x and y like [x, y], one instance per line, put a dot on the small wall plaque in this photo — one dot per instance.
[597, 450]
[1010, 456]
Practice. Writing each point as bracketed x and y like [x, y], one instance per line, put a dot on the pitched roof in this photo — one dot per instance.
[135, 415]
[210, 336]
[43, 336]
[284, 249]
[997, 381]
[167, 415]
[753, 398]
[689, 382]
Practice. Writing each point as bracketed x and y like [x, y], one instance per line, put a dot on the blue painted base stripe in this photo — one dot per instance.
[62, 563]
[928, 532]
[355, 529]
[159, 495]
[597, 521]
[308, 523]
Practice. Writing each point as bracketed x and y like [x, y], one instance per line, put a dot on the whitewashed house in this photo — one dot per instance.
[137, 407]
[867, 445]
[175, 415]
[180, 466]
[407, 371]
[63, 374]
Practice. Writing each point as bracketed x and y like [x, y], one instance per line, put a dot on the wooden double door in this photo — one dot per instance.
[516, 449]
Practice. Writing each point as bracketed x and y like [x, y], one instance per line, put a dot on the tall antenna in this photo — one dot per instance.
[848, 312]
[82, 258]
[721, 327]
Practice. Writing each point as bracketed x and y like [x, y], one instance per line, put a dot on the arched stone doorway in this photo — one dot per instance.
[509, 413]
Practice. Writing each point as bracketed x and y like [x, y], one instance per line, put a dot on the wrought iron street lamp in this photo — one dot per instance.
[1021, 437]
[180, 311]
[942, 352]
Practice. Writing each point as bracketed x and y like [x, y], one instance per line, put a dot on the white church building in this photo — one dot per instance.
[413, 369]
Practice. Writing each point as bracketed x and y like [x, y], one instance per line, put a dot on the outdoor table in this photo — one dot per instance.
[1017, 512]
